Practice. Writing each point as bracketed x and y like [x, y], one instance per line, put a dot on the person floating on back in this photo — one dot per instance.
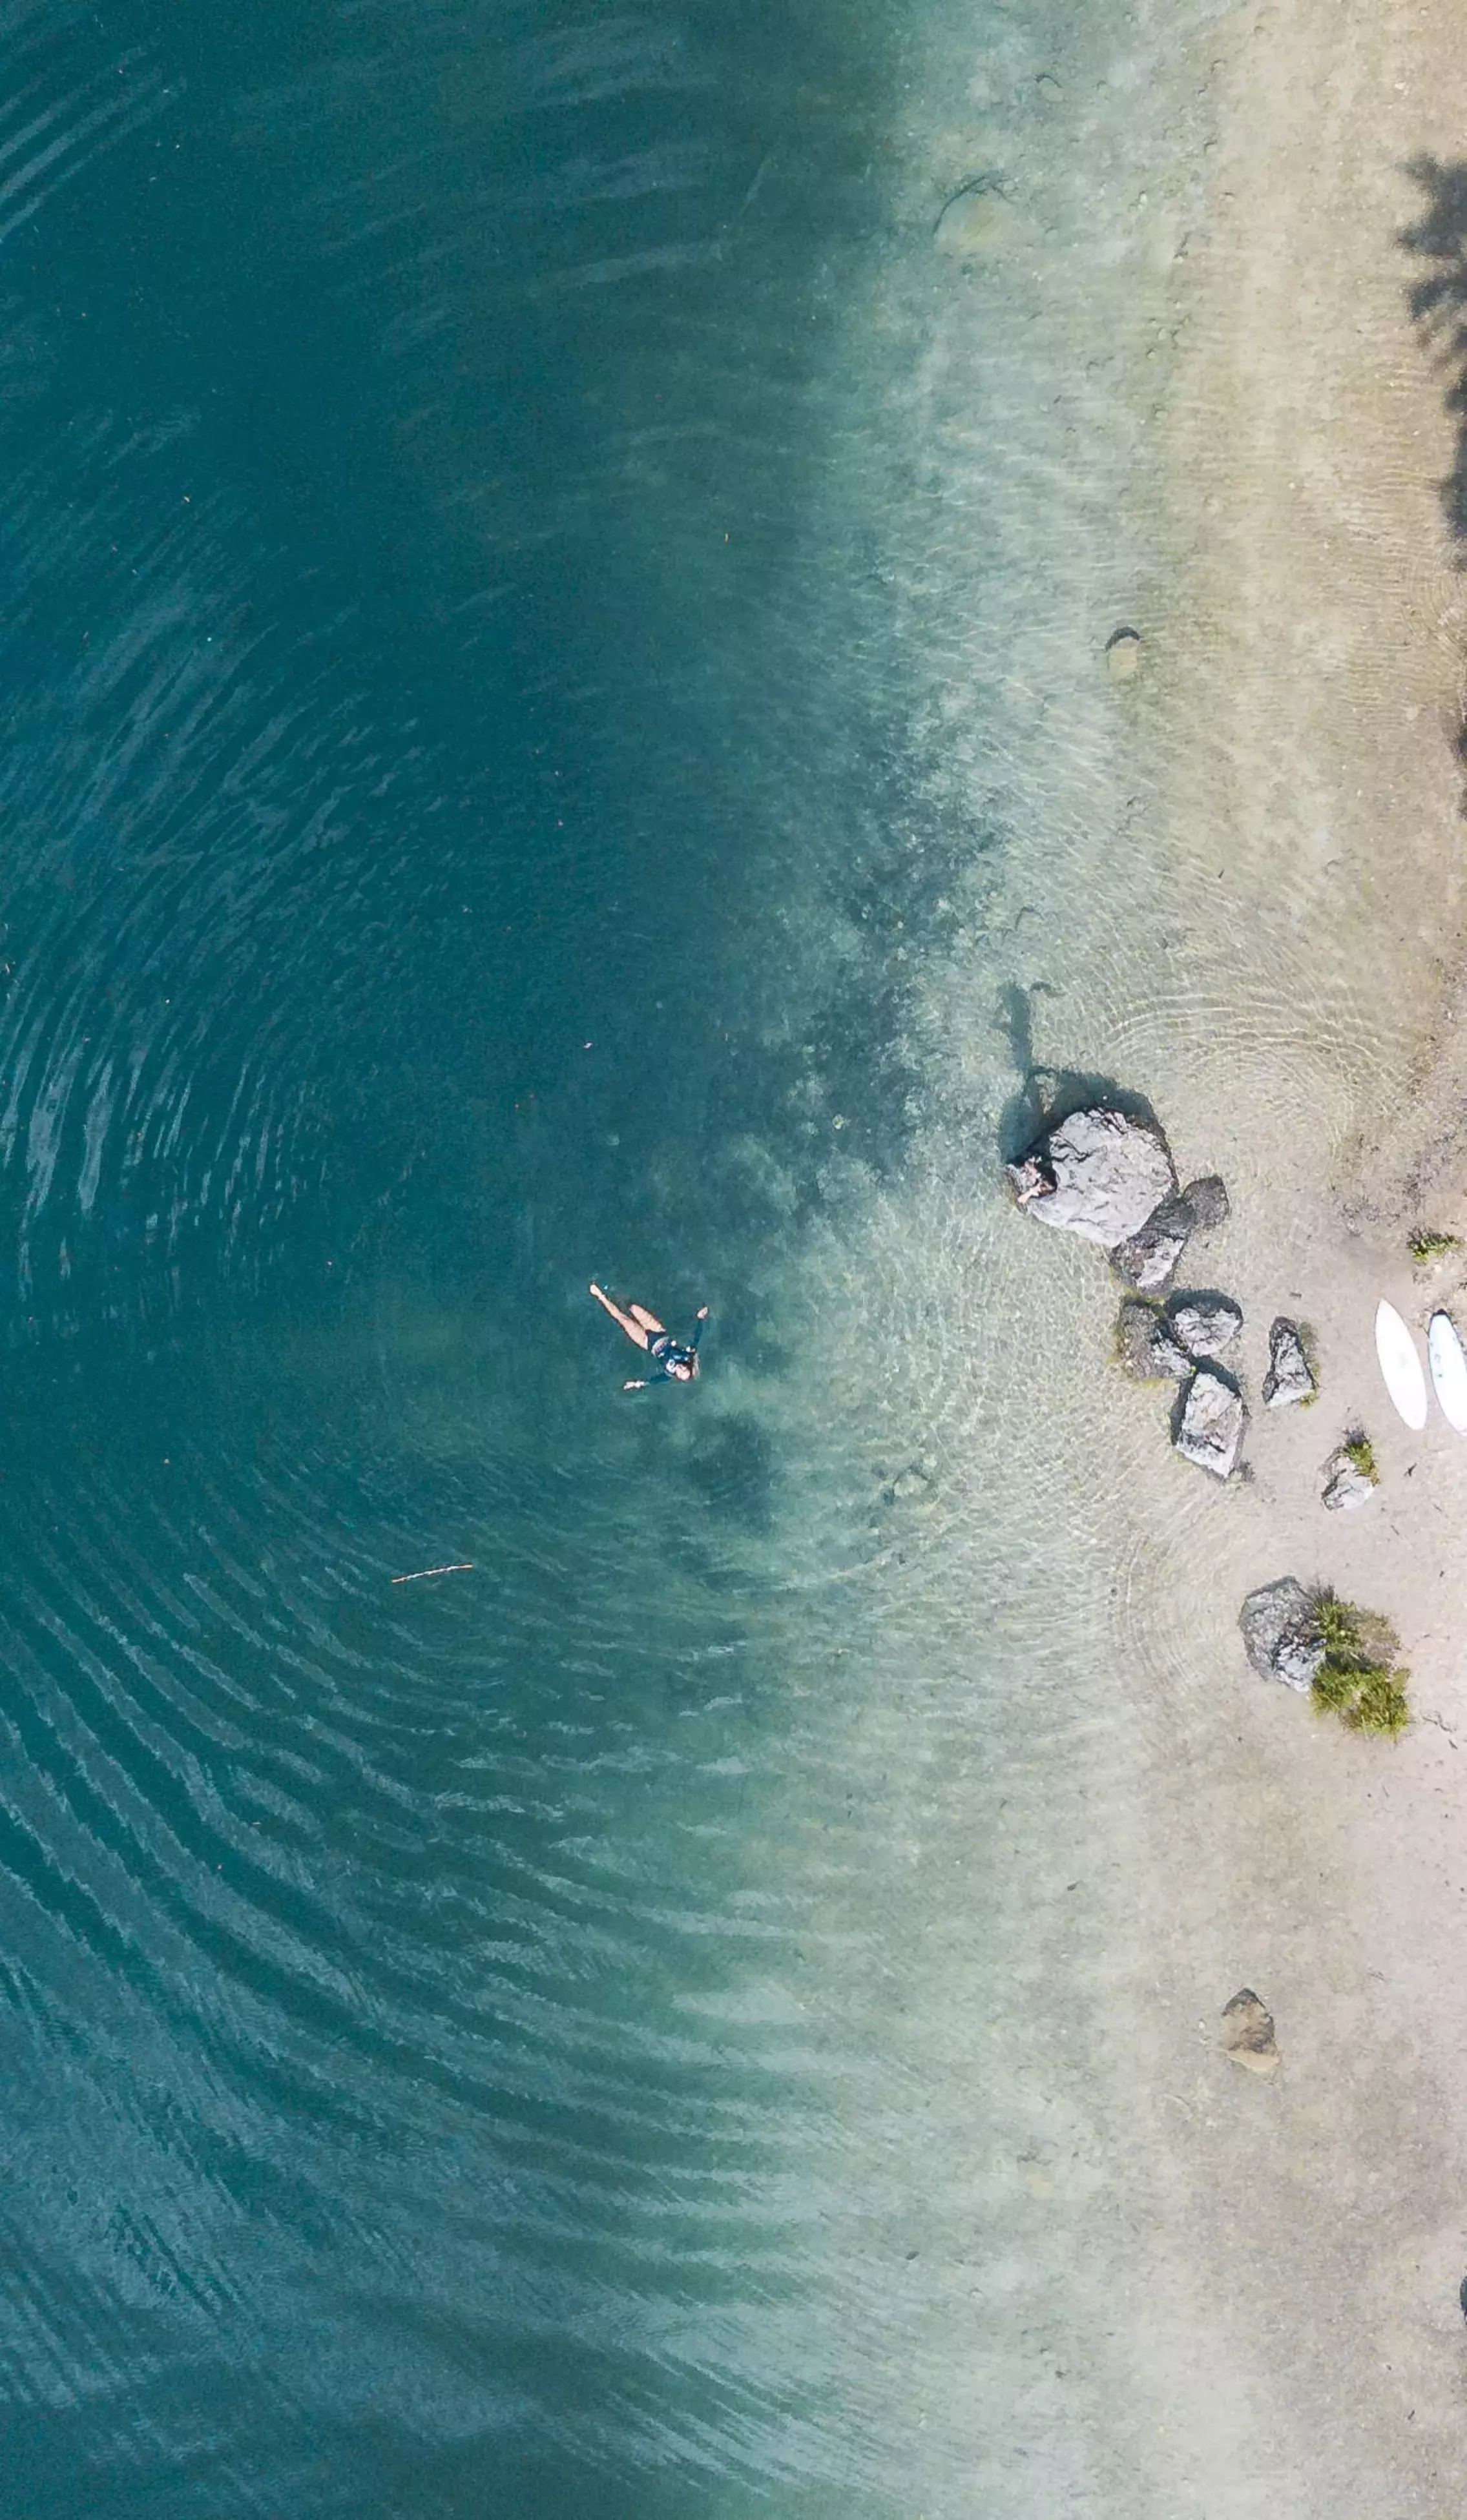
[673, 1361]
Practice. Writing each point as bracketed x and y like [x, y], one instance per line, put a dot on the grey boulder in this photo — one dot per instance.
[1205, 1325]
[1146, 1347]
[1280, 1635]
[1100, 1174]
[1288, 1379]
[1210, 1427]
[1148, 1258]
[1208, 1201]
[1346, 1487]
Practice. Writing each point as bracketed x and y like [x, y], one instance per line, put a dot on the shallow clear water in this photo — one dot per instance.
[549, 650]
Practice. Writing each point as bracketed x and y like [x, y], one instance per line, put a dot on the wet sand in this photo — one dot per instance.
[1167, 2288]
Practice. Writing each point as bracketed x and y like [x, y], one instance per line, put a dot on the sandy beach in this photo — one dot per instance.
[1286, 2335]
[1171, 2289]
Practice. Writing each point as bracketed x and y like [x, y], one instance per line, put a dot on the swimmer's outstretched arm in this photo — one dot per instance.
[633, 1330]
[698, 1327]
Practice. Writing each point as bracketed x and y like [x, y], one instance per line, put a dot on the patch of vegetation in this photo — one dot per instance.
[1424, 1245]
[1310, 1342]
[1360, 1679]
[1360, 1453]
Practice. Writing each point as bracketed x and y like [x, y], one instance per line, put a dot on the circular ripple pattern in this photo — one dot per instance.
[549, 654]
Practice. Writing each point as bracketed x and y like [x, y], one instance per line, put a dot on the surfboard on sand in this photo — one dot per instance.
[1449, 1367]
[1400, 1365]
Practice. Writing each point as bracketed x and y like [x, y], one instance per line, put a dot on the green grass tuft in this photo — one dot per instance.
[1360, 1679]
[1425, 1245]
[1381, 1706]
[1359, 1452]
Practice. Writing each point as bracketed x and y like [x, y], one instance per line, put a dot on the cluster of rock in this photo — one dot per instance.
[1108, 1175]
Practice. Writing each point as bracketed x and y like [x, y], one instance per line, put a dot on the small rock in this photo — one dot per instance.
[1148, 1259]
[1280, 1635]
[1209, 1429]
[980, 223]
[1346, 1487]
[1209, 1203]
[911, 1486]
[1289, 1379]
[1145, 1346]
[1205, 1325]
[1099, 1174]
[1122, 656]
[1050, 87]
[1248, 2033]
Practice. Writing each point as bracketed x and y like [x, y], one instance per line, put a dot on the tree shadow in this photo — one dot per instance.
[1439, 302]
[1046, 1095]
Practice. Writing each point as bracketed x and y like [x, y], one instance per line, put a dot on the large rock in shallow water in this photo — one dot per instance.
[1280, 1635]
[1099, 1173]
[1148, 1259]
[1209, 1429]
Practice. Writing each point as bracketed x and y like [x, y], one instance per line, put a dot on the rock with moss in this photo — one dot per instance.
[1146, 1347]
[1281, 1632]
[1346, 1489]
[1210, 1423]
[1351, 1478]
[1290, 1378]
[1347, 1659]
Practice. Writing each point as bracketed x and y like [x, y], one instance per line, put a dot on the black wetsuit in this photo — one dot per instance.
[665, 1354]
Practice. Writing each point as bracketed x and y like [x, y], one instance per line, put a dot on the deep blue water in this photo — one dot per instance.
[454, 820]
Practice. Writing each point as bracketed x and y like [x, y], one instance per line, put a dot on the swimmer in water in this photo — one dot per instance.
[675, 1363]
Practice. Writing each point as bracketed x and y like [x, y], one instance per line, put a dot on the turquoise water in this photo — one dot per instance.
[479, 811]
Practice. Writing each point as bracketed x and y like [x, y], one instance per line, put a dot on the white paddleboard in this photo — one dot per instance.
[1400, 1365]
[1449, 1367]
